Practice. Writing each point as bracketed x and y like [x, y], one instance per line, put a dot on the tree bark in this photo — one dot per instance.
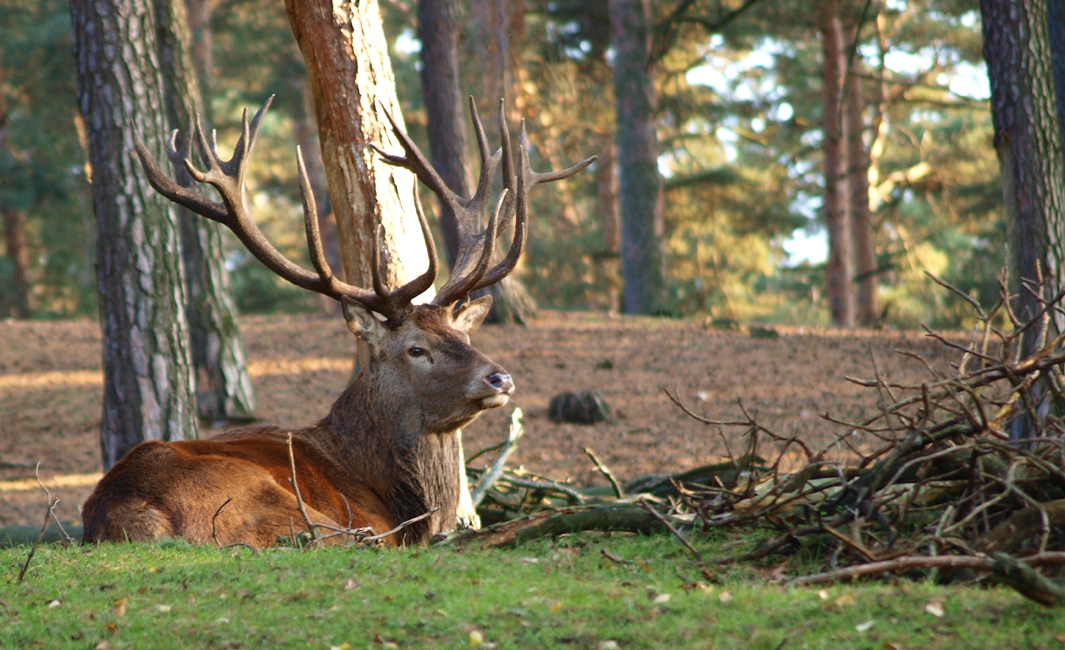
[836, 214]
[640, 187]
[1029, 145]
[19, 253]
[351, 81]
[223, 386]
[148, 389]
[863, 232]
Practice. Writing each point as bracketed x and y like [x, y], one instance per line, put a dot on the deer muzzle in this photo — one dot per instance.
[494, 390]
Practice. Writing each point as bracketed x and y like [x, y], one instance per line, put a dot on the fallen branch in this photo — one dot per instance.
[605, 471]
[492, 475]
[626, 517]
[669, 526]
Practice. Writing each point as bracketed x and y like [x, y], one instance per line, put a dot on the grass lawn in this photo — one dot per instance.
[546, 594]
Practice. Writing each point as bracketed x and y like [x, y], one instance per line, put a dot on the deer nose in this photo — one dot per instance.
[501, 382]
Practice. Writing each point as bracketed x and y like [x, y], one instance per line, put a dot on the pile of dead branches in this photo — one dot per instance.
[937, 484]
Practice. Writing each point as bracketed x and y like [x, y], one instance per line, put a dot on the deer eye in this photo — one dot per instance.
[416, 352]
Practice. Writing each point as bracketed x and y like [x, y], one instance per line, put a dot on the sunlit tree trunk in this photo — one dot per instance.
[640, 186]
[1029, 145]
[223, 386]
[836, 213]
[148, 389]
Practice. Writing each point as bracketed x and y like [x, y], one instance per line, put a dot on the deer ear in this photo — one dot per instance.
[362, 322]
[472, 314]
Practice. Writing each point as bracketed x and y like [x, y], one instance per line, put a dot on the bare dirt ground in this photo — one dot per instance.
[50, 391]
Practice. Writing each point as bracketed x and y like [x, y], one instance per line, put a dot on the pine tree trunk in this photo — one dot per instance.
[18, 253]
[148, 389]
[836, 214]
[1029, 145]
[438, 28]
[640, 187]
[863, 232]
[498, 27]
[351, 80]
[223, 386]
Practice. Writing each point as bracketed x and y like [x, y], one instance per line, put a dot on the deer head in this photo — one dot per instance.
[422, 352]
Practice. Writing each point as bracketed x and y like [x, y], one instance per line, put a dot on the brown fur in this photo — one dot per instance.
[387, 451]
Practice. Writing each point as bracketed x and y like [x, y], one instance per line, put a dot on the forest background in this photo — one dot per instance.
[740, 133]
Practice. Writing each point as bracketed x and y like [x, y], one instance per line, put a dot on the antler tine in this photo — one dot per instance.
[415, 161]
[460, 285]
[419, 285]
[549, 177]
[471, 217]
[521, 228]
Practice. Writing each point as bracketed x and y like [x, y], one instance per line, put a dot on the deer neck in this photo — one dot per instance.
[385, 446]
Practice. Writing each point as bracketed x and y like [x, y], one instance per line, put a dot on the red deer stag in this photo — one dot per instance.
[387, 452]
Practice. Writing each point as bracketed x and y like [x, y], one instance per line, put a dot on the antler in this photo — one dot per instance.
[227, 176]
[471, 270]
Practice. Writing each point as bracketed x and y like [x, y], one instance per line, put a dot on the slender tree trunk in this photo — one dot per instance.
[836, 214]
[640, 186]
[148, 389]
[202, 47]
[1029, 145]
[606, 185]
[858, 183]
[438, 28]
[498, 29]
[18, 252]
[223, 386]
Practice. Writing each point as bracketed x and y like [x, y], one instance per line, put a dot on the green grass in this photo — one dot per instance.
[561, 594]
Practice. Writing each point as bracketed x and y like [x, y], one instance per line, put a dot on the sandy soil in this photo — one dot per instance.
[50, 391]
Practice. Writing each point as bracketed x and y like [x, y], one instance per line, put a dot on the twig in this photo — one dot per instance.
[214, 521]
[374, 538]
[617, 559]
[51, 510]
[296, 487]
[493, 474]
[676, 533]
[40, 536]
[605, 471]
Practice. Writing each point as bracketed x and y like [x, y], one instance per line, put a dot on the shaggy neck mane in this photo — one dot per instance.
[385, 446]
